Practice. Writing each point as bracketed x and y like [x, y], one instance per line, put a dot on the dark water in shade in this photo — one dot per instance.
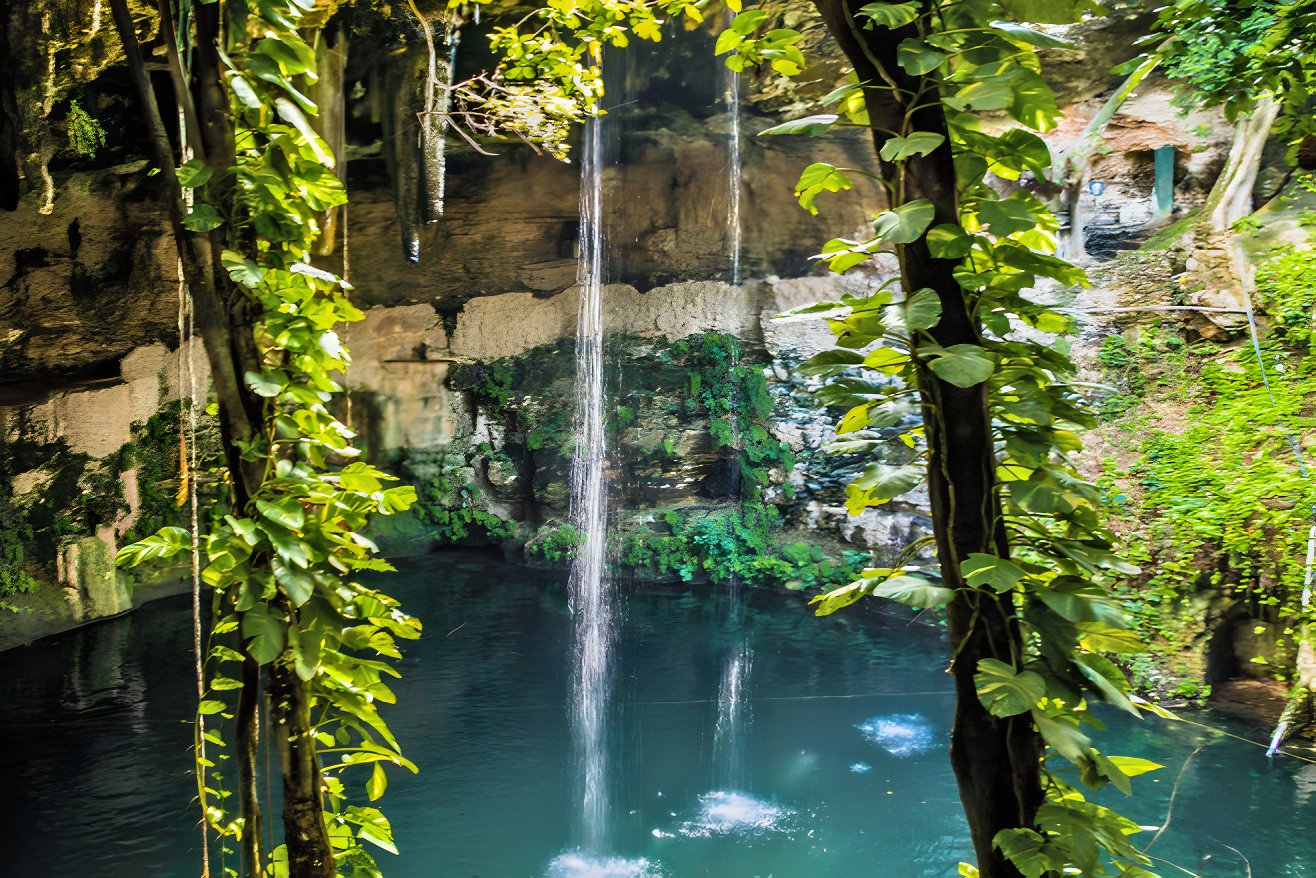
[845, 755]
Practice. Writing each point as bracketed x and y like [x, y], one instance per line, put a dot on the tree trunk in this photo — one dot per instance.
[247, 748]
[197, 264]
[996, 761]
[1231, 197]
[224, 320]
[304, 830]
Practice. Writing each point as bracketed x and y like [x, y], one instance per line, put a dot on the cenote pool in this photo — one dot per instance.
[841, 771]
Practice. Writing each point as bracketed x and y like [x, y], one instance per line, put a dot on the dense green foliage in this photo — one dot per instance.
[1060, 556]
[450, 505]
[737, 544]
[735, 398]
[1218, 44]
[1233, 55]
[1214, 494]
[86, 136]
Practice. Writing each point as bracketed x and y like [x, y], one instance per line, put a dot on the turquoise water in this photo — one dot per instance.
[844, 759]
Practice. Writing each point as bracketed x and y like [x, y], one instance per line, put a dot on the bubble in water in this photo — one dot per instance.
[861, 767]
[581, 865]
[900, 734]
[723, 812]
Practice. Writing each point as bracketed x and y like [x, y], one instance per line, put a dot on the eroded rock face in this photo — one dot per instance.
[84, 285]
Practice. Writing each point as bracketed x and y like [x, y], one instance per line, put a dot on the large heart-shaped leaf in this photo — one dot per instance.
[999, 574]
[264, 632]
[906, 223]
[922, 309]
[917, 57]
[919, 143]
[892, 15]
[816, 179]
[964, 365]
[1005, 692]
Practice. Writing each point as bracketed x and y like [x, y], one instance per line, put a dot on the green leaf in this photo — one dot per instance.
[949, 241]
[890, 15]
[964, 365]
[378, 782]
[727, 41]
[1016, 151]
[881, 483]
[1031, 37]
[1134, 766]
[1077, 600]
[265, 633]
[164, 543]
[245, 93]
[268, 384]
[1103, 638]
[898, 149]
[373, 826]
[1005, 692]
[913, 591]
[1107, 679]
[297, 584]
[1000, 574]
[203, 218]
[748, 21]
[1029, 851]
[241, 271]
[906, 223]
[1004, 218]
[1063, 735]
[810, 125]
[285, 511]
[922, 309]
[833, 360]
[193, 174]
[887, 360]
[917, 57]
[816, 179]
[210, 707]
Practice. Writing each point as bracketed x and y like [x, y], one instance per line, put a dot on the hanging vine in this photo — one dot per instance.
[1024, 558]
[295, 634]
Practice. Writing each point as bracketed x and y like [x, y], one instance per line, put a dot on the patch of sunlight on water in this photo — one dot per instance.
[577, 864]
[900, 734]
[725, 812]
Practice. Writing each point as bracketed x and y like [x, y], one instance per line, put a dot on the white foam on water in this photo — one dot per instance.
[900, 734]
[723, 812]
[581, 865]
[861, 767]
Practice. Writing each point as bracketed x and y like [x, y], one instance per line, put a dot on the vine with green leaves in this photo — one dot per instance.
[1024, 558]
[291, 617]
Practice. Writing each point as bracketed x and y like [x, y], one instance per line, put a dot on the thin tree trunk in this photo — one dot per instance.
[304, 830]
[224, 320]
[996, 761]
[247, 747]
[197, 263]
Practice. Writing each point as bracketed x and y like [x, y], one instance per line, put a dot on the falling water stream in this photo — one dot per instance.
[732, 706]
[592, 595]
[731, 94]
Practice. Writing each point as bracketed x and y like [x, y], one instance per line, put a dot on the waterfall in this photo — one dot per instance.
[732, 707]
[592, 597]
[731, 94]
